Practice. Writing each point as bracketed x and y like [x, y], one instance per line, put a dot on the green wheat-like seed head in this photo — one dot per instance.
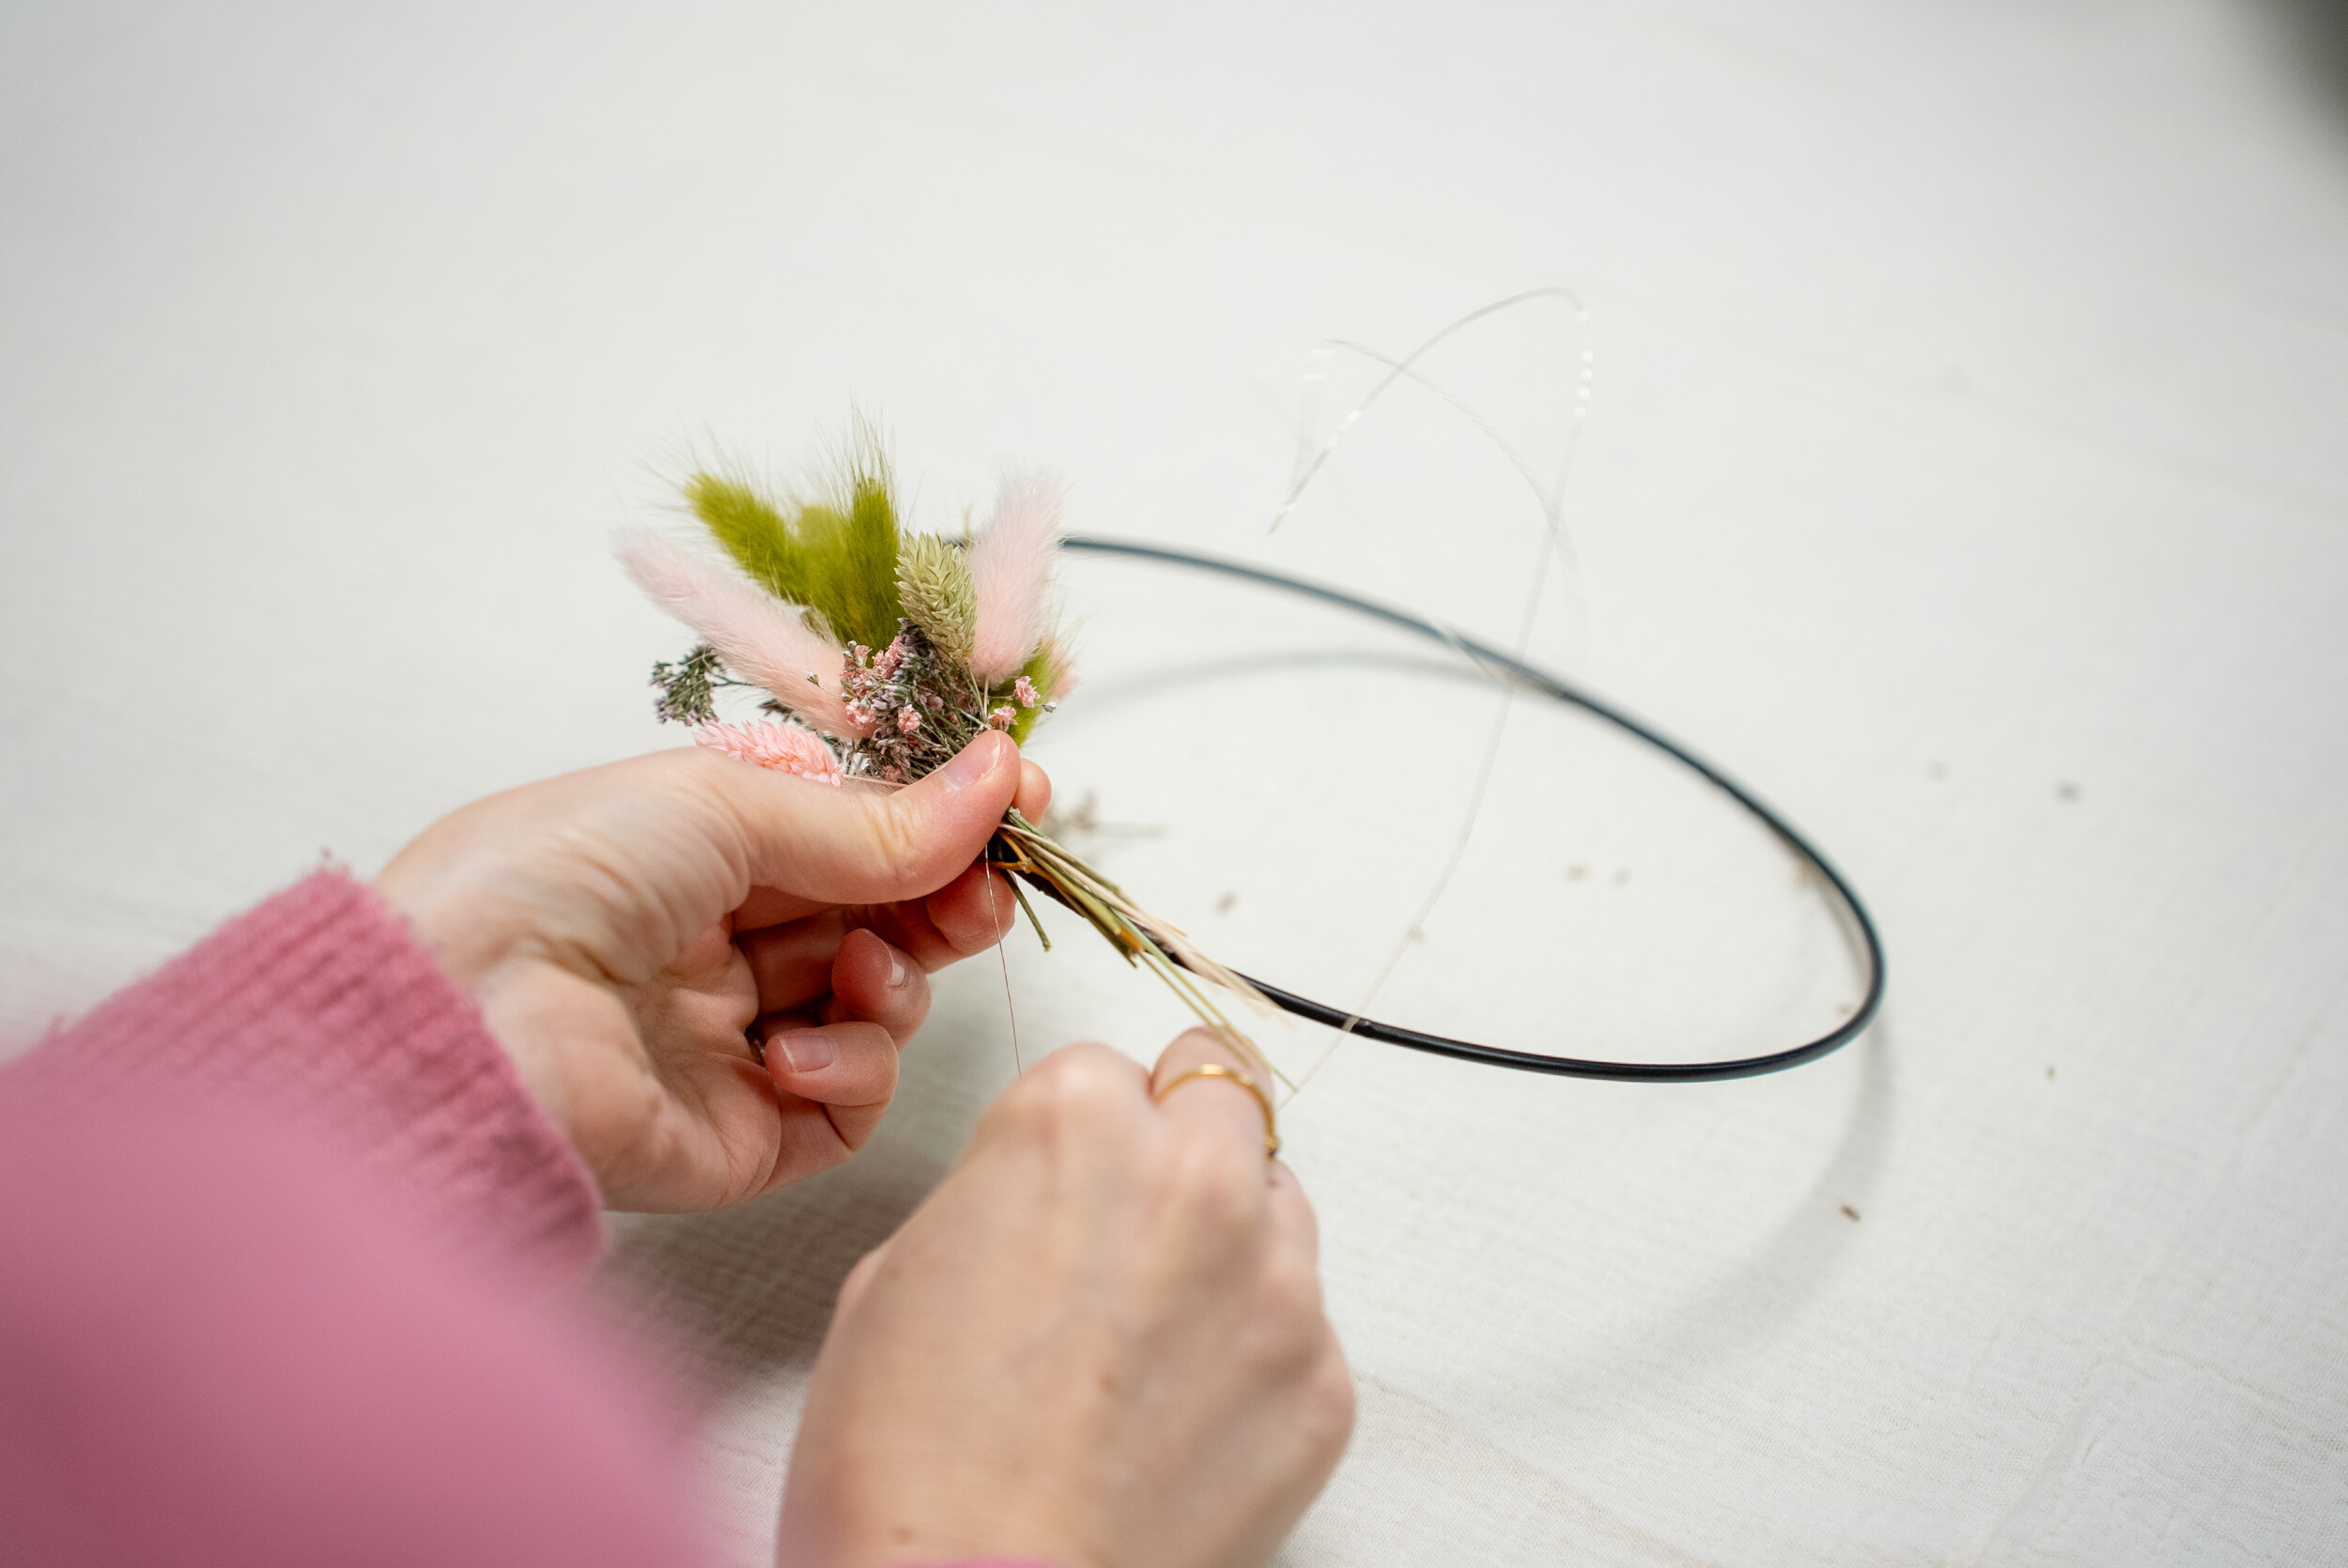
[934, 584]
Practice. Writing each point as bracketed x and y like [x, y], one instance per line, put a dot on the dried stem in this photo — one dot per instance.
[1146, 939]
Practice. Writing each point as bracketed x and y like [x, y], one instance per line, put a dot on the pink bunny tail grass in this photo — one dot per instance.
[1011, 566]
[778, 748]
[758, 637]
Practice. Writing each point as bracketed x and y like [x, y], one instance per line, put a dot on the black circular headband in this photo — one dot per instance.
[1562, 691]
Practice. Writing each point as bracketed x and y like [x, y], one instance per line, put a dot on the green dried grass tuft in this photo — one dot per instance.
[835, 556]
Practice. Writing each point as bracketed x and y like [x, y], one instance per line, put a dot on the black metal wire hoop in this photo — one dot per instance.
[1504, 667]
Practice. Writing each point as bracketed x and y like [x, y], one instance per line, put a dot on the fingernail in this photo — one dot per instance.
[805, 1051]
[973, 762]
[896, 969]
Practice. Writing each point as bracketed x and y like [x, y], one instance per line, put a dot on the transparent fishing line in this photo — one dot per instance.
[1540, 455]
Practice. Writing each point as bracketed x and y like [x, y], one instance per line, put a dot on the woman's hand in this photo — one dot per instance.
[1100, 1341]
[622, 929]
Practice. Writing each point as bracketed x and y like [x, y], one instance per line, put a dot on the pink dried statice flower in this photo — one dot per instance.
[779, 748]
[908, 720]
[1001, 718]
[1025, 690]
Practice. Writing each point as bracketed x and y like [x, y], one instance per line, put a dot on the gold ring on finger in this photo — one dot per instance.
[1216, 1070]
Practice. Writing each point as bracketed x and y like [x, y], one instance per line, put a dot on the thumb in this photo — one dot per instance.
[855, 847]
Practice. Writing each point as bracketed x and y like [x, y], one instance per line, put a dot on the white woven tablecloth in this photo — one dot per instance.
[1967, 469]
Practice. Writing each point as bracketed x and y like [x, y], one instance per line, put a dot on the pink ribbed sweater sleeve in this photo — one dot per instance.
[319, 1006]
[275, 1225]
[275, 1228]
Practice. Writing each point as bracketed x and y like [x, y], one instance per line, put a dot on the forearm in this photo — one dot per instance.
[249, 1206]
[318, 1010]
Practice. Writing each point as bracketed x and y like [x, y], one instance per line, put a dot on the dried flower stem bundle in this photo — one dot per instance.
[1145, 939]
[881, 654]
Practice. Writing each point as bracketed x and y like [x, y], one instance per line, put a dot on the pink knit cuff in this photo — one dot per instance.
[319, 1006]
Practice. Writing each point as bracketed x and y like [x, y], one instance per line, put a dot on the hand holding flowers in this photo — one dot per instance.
[880, 654]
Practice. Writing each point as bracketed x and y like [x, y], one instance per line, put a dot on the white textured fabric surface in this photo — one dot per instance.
[1966, 470]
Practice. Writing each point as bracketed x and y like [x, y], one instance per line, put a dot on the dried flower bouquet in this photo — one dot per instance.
[880, 654]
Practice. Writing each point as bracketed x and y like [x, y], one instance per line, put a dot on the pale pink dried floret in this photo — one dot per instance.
[781, 747]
